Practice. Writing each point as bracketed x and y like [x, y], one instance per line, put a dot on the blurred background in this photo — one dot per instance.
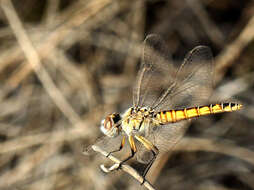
[66, 64]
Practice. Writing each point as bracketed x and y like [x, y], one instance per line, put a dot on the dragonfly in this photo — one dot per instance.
[166, 96]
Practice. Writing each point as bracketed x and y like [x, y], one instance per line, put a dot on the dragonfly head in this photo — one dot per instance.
[109, 125]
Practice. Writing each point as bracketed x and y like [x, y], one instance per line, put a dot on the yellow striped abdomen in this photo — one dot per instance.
[171, 116]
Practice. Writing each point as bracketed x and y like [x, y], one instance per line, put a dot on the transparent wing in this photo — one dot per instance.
[191, 86]
[163, 85]
[105, 143]
[163, 137]
[155, 73]
[193, 83]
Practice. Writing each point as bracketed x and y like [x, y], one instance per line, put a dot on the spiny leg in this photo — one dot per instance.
[133, 150]
[150, 164]
[120, 147]
[148, 145]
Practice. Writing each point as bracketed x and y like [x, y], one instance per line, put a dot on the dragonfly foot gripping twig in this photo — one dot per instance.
[126, 168]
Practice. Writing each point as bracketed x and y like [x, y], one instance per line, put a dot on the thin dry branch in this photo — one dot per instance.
[126, 168]
[23, 142]
[34, 59]
[222, 146]
[203, 144]
[30, 162]
[53, 39]
[209, 26]
[233, 50]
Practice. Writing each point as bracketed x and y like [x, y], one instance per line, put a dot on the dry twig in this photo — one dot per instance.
[126, 168]
[233, 50]
[222, 146]
[34, 59]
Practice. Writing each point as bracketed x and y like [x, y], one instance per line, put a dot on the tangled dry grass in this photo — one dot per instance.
[65, 64]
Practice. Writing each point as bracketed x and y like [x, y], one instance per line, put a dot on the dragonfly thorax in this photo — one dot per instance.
[136, 120]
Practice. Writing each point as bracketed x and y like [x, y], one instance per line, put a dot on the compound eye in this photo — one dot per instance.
[108, 122]
[111, 120]
[108, 126]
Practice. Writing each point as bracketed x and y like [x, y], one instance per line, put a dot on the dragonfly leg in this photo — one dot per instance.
[148, 145]
[120, 148]
[133, 150]
[149, 166]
